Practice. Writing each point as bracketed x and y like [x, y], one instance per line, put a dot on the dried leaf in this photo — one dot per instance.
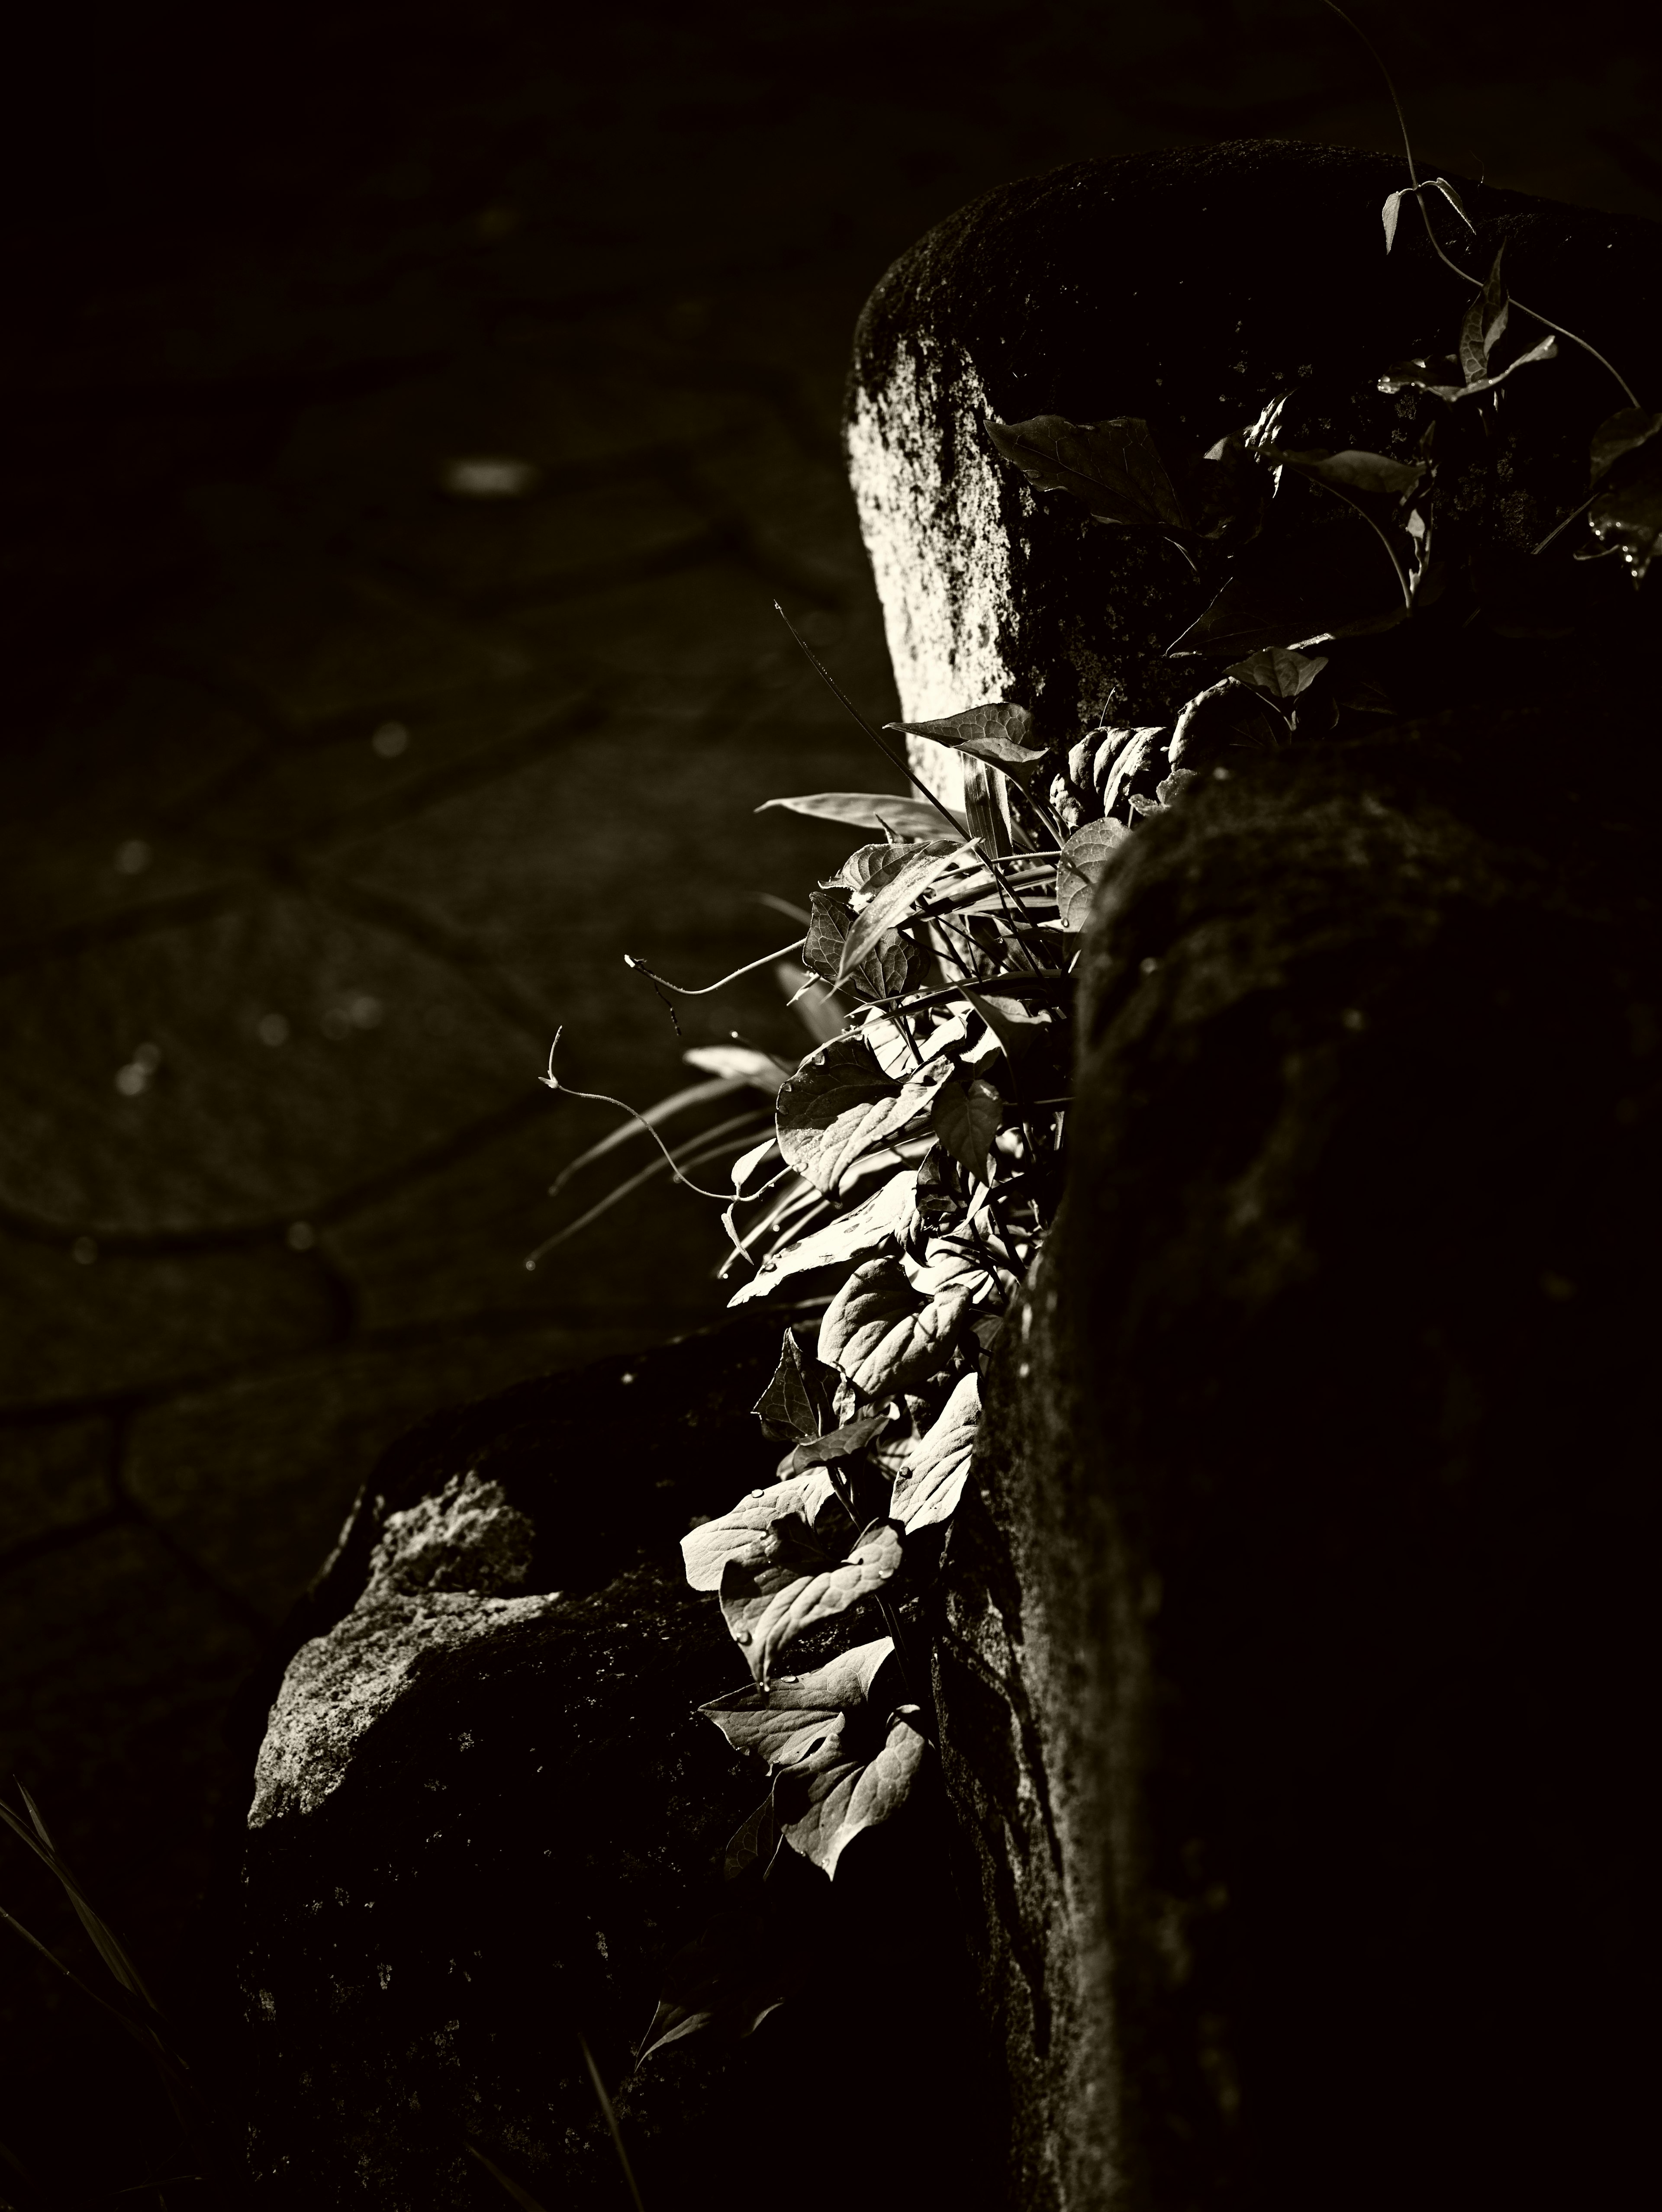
[838, 1803]
[763, 1721]
[1282, 674]
[966, 1117]
[797, 1401]
[1114, 466]
[896, 898]
[742, 1533]
[1080, 868]
[839, 1105]
[883, 1219]
[765, 1605]
[884, 1335]
[873, 809]
[941, 1462]
[1619, 434]
[997, 733]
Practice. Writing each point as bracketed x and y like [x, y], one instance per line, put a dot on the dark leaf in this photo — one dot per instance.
[966, 1117]
[1282, 674]
[884, 964]
[940, 1198]
[997, 733]
[765, 1606]
[883, 1219]
[1419, 376]
[838, 1443]
[839, 1105]
[1619, 434]
[872, 810]
[883, 1335]
[763, 1721]
[1083, 859]
[898, 894]
[1628, 520]
[931, 1491]
[1013, 1023]
[742, 1532]
[1113, 466]
[1144, 748]
[757, 1951]
[820, 1814]
[797, 1401]
[1482, 324]
[758, 1839]
[1358, 470]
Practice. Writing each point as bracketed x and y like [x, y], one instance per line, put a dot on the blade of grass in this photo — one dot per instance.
[611, 2121]
[105, 1939]
[744, 1128]
[521, 2197]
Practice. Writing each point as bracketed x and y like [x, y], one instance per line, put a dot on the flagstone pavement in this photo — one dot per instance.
[407, 451]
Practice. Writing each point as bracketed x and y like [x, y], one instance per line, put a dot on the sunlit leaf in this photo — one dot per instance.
[762, 1721]
[940, 1461]
[1284, 675]
[1619, 434]
[839, 1105]
[742, 1533]
[738, 1063]
[1083, 859]
[1388, 214]
[883, 1219]
[965, 1116]
[766, 1605]
[1442, 184]
[998, 733]
[883, 1335]
[836, 1803]
[1114, 467]
[873, 809]
[796, 1403]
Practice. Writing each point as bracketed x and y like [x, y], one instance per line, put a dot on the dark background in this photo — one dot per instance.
[268, 270]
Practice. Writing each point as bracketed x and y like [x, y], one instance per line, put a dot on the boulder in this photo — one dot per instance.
[1289, 1664]
[486, 1817]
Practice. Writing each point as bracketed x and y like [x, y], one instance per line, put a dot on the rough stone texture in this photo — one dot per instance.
[485, 1814]
[1290, 1662]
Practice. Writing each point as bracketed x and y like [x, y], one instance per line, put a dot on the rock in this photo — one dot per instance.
[1288, 1664]
[486, 1815]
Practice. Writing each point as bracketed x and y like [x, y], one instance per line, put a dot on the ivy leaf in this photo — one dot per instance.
[838, 1443]
[896, 898]
[796, 1403]
[997, 733]
[822, 1812]
[941, 1462]
[762, 1721]
[1362, 471]
[884, 964]
[965, 1117]
[742, 1533]
[839, 1105]
[765, 1605]
[1114, 466]
[1282, 674]
[1481, 326]
[872, 810]
[884, 1335]
[1628, 520]
[883, 1219]
[1083, 859]
[1619, 434]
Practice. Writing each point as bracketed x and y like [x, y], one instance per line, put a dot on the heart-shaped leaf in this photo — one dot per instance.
[965, 1116]
[765, 1605]
[881, 965]
[1619, 434]
[884, 1335]
[839, 1105]
[931, 1491]
[763, 1721]
[873, 809]
[821, 1813]
[838, 1443]
[1079, 867]
[742, 1533]
[1281, 674]
[1114, 466]
[998, 734]
[883, 1219]
[1360, 471]
[797, 1401]
[892, 903]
